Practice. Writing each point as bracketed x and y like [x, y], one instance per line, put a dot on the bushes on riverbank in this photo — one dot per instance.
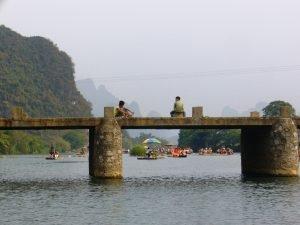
[201, 138]
[138, 150]
[39, 142]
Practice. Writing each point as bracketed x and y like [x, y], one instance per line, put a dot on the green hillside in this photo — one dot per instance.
[37, 76]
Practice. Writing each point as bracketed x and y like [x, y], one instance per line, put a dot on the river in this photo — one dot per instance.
[194, 190]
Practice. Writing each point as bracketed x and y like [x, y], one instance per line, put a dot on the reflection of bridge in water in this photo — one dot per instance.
[269, 146]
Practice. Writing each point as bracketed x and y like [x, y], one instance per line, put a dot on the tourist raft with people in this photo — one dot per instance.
[53, 154]
[220, 151]
[179, 153]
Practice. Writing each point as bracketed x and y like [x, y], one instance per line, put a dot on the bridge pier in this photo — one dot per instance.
[105, 159]
[272, 150]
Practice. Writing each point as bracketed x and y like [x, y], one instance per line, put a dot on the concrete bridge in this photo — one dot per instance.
[269, 146]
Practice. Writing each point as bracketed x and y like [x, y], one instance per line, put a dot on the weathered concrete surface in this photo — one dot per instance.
[138, 123]
[254, 114]
[297, 122]
[106, 155]
[190, 122]
[18, 113]
[284, 146]
[197, 112]
[48, 123]
[270, 150]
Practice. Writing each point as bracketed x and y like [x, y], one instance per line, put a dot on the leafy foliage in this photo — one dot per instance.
[37, 76]
[4, 143]
[13, 142]
[138, 150]
[215, 139]
[127, 142]
[273, 109]
[62, 145]
[75, 138]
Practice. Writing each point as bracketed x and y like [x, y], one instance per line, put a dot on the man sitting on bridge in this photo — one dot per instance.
[178, 110]
[123, 112]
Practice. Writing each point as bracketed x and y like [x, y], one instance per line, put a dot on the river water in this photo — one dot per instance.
[194, 190]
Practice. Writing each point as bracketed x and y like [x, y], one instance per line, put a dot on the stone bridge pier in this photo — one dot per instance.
[271, 151]
[105, 157]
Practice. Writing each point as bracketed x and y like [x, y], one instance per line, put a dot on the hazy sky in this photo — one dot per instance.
[211, 52]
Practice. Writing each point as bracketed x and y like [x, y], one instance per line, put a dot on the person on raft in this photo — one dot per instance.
[52, 151]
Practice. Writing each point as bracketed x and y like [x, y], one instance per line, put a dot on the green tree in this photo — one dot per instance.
[39, 77]
[138, 150]
[77, 139]
[4, 143]
[62, 145]
[26, 143]
[35, 145]
[273, 109]
[126, 140]
[214, 138]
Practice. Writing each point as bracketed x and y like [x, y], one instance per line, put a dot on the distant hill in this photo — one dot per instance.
[36, 75]
[101, 97]
[134, 106]
[153, 114]
[231, 112]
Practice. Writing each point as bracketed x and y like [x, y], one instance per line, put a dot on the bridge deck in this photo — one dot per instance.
[138, 123]
[190, 122]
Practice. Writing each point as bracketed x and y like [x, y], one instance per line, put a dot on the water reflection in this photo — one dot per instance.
[270, 181]
[105, 182]
[198, 190]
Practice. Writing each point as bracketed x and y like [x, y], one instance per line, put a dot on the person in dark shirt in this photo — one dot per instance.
[121, 111]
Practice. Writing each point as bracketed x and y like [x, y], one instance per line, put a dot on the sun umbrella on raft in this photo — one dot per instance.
[151, 144]
[151, 141]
